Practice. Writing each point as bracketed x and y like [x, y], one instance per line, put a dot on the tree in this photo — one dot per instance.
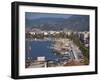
[84, 50]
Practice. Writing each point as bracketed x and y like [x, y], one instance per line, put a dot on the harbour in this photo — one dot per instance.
[59, 52]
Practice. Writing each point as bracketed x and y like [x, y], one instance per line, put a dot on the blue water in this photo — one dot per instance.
[36, 49]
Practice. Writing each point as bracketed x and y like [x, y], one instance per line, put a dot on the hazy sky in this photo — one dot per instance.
[32, 15]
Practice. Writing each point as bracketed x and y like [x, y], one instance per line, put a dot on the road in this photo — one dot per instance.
[75, 51]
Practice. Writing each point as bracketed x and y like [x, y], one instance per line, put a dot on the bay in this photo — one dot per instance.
[34, 49]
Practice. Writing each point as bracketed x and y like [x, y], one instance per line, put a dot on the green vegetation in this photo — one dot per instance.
[38, 36]
[85, 51]
[28, 35]
[74, 38]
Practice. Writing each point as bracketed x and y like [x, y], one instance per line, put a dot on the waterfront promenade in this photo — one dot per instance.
[66, 49]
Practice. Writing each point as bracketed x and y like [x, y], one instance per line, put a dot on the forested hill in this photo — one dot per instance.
[75, 22]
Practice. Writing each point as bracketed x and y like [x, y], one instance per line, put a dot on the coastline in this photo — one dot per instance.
[27, 39]
[63, 47]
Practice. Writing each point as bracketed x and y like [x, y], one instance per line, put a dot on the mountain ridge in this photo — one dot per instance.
[75, 23]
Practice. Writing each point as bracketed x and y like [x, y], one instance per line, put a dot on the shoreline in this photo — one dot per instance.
[38, 39]
[63, 47]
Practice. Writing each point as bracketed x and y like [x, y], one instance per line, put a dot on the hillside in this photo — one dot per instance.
[75, 22]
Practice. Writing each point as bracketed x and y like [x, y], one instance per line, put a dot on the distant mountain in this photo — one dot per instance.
[40, 21]
[75, 22]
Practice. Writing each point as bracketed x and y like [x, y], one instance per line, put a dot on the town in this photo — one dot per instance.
[72, 47]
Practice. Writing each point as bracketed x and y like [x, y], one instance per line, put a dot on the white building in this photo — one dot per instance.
[51, 32]
[69, 33]
[32, 33]
[45, 33]
[86, 35]
[41, 58]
